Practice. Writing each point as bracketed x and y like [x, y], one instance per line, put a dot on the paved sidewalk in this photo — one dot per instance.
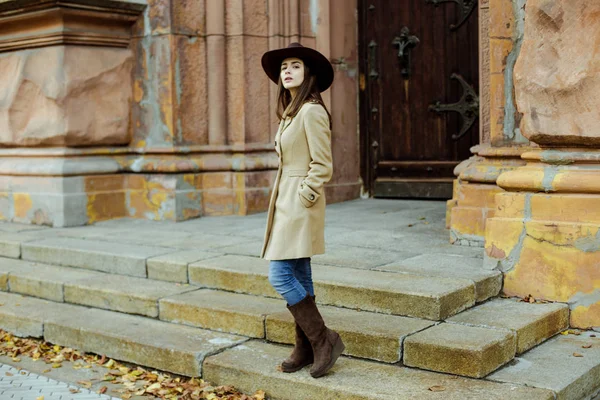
[23, 385]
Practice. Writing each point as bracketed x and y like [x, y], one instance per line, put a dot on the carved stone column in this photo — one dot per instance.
[545, 235]
[501, 142]
[65, 90]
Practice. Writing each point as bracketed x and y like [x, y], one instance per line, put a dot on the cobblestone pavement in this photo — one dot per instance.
[23, 385]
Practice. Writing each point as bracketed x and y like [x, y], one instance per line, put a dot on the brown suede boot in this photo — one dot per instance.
[302, 355]
[326, 344]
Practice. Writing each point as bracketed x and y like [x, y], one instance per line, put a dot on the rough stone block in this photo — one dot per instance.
[348, 379]
[47, 89]
[123, 259]
[121, 293]
[460, 350]
[365, 334]
[532, 323]
[221, 311]
[553, 365]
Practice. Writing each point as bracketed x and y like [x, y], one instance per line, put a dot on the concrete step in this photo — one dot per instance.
[478, 341]
[569, 365]
[460, 349]
[95, 289]
[365, 334]
[222, 311]
[532, 323]
[117, 258]
[253, 365]
[169, 347]
[427, 297]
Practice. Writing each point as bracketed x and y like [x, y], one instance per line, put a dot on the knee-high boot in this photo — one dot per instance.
[326, 344]
[302, 355]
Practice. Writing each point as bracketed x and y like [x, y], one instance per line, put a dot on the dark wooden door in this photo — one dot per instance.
[414, 54]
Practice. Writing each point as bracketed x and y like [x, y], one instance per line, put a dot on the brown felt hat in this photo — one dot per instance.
[319, 64]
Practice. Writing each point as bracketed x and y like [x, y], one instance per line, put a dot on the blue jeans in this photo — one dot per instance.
[292, 279]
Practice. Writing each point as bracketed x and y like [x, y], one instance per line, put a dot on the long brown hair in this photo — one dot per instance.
[307, 92]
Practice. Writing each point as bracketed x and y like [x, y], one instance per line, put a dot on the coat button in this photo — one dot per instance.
[312, 196]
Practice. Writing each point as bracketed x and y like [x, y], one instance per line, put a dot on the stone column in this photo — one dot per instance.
[545, 235]
[501, 142]
[65, 95]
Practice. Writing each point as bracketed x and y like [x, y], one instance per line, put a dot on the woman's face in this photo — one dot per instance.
[292, 73]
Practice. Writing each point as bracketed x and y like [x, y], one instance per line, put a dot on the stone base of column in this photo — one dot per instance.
[474, 191]
[71, 187]
[81, 200]
[545, 234]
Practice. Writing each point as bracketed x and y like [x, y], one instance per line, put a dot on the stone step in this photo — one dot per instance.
[532, 323]
[460, 349]
[480, 340]
[569, 365]
[95, 289]
[253, 365]
[157, 344]
[222, 311]
[365, 334]
[428, 297]
[117, 258]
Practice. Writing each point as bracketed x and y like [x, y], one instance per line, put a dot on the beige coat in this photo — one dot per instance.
[296, 219]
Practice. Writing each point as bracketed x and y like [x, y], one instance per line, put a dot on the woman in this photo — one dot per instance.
[296, 219]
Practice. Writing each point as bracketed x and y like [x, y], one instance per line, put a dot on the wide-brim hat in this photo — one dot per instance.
[319, 64]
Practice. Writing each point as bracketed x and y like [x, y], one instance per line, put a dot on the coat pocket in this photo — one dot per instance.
[297, 172]
[308, 196]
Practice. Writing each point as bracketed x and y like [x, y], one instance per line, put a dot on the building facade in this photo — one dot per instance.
[160, 110]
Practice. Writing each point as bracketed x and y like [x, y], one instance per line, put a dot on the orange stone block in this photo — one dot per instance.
[502, 18]
[499, 50]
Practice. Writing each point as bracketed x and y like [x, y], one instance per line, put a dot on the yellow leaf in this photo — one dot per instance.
[39, 398]
[154, 386]
[46, 371]
[56, 365]
[16, 359]
[110, 363]
[85, 384]
[577, 355]
[56, 348]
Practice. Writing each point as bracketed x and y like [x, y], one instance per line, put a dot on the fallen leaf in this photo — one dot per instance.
[110, 363]
[85, 384]
[46, 371]
[74, 391]
[16, 359]
[592, 335]
[102, 390]
[586, 346]
[437, 388]
[56, 365]
[39, 398]
[577, 355]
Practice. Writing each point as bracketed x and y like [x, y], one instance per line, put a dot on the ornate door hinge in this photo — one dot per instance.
[467, 106]
[466, 8]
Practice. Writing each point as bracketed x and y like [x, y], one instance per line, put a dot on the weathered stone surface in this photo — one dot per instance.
[356, 257]
[552, 365]
[221, 311]
[24, 316]
[348, 379]
[45, 91]
[532, 323]
[45, 281]
[560, 103]
[173, 267]
[174, 348]
[391, 293]
[460, 350]
[234, 273]
[487, 283]
[123, 259]
[365, 334]
[121, 293]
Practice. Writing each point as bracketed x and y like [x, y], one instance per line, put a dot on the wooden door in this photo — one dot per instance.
[418, 94]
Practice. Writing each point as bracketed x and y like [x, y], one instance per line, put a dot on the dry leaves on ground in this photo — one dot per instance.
[134, 380]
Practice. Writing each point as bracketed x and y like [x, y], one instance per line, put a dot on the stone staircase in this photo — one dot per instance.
[203, 312]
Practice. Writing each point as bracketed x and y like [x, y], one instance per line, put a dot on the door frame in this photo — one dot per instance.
[367, 158]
